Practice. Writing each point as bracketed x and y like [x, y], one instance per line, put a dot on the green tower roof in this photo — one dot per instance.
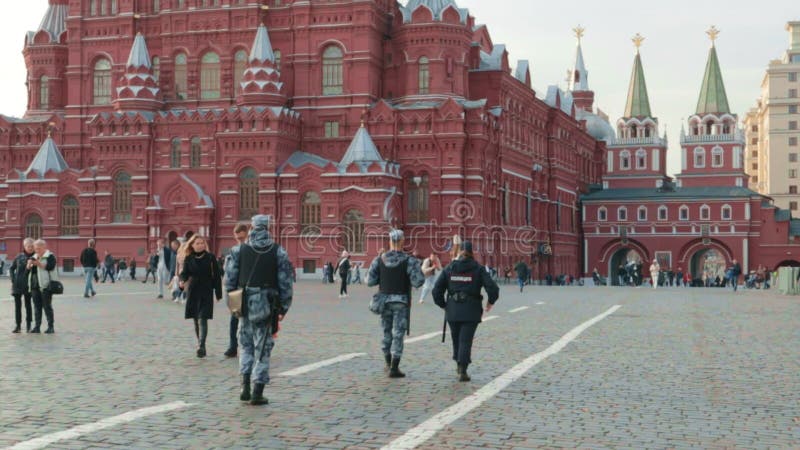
[712, 95]
[638, 104]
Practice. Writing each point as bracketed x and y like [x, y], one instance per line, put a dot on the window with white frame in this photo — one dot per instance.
[641, 159]
[684, 213]
[622, 213]
[705, 212]
[602, 214]
[716, 157]
[726, 212]
[662, 213]
[642, 214]
[625, 160]
[699, 157]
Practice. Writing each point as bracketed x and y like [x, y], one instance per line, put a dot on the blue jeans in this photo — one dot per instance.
[89, 272]
[521, 283]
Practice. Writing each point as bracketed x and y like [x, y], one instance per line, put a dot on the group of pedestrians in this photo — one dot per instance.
[33, 272]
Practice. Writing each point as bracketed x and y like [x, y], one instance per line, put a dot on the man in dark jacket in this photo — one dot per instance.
[522, 274]
[41, 270]
[463, 280]
[19, 284]
[89, 262]
[343, 269]
[110, 267]
[736, 270]
[151, 267]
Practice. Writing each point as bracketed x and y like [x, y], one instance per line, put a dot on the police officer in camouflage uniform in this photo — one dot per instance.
[463, 280]
[395, 272]
[263, 266]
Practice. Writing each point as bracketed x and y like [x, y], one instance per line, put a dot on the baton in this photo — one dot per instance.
[444, 327]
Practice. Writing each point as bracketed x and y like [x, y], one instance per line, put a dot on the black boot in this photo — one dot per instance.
[394, 371]
[244, 395]
[16, 330]
[388, 358]
[49, 329]
[462, 373]
[201, 350]
[258, 395]
[37, 328]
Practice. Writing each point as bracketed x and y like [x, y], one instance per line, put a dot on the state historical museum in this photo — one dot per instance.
[151, 119]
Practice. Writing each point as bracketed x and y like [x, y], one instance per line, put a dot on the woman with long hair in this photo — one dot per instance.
[201, 279]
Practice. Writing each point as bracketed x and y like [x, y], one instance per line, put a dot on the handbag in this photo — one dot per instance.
[55, 287]
[235, 297]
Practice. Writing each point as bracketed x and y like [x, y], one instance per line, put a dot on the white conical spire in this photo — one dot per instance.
[362, 149]
[262, 47]
[48, 158]
[579, 76]
[139, 56]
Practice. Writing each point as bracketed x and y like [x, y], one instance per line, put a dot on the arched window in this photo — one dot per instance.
[44, 92]
[663, 213]
[418, 193]
[705, 212]
[102, 82]
[602, 214]
[180, 75]
[625, 160]
[684, 213]
[277, 54]
[175, 154]
[181, 3]
[248, 193]
[69, 216]
[239, 66]
[156, 6]
[114, 7]
[209, 76]
[103, 7]
[710, 127]
[354, 231]
[727, 212]
[622, 213]
[33, 226]
[642, 214]
[641, 159]
[332, 77]
[424, 75]
[156, 67]
[195, 152]
[699, 157]
[121, 203]
[716, 157]
[93, 7]
[726, 127]
[310, 214]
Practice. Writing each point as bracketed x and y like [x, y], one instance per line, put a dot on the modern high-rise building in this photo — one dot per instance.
[773, 129]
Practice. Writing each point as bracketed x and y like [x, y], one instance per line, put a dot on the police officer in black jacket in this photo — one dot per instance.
[462, 280]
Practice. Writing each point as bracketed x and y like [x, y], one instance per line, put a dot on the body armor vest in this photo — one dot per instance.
[266, 274]
[394, 280]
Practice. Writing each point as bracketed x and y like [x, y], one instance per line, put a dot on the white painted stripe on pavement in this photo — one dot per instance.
[311, 367]
[521, 308]
[423, 337]
[486, 319]
[540, 303]
[73, 433]
[424, 431]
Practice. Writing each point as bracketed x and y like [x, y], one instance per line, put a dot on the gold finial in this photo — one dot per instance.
[579, 32]
[712, 33]
[50, 127]
[637, 41]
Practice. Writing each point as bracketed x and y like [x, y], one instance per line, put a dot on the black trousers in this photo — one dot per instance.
[42, 300]
[462, 334]
[343, 289]
[18, 308]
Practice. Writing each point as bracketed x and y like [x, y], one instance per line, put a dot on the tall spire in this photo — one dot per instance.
[713, 98]
[47, 159]
[638, 104]
[54, 21]
[579, 76]
[138, 89]
[261, 84]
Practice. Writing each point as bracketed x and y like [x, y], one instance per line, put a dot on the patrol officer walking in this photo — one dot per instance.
[395, 272]
[462, 280]
[262, 268]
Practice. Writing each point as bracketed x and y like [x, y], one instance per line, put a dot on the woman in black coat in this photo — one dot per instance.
[201, 279]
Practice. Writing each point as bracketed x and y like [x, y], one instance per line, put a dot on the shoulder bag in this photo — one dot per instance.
[235, 297]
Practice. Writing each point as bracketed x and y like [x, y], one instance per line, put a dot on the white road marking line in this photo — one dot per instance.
[486, 319]
[73, 433]
[521, 308]
[311, 367]
[423, 337]
[540, 303]
[424, 431]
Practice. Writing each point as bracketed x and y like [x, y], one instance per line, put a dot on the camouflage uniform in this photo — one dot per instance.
[255, 339]
[394, 319]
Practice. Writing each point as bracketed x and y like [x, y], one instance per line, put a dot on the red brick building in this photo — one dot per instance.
[341, 119]
[698, 222]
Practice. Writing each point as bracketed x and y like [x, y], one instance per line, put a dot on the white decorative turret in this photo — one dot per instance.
[138, 88]
[261, 83]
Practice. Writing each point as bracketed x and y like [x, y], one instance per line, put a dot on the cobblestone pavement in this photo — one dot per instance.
[672, 368]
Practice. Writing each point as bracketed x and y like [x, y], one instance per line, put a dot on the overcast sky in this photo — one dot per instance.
[674, 52]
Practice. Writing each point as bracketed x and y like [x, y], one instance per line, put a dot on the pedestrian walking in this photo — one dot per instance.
[736, 270]
[357, 274]
[395, 273]
[132, 269]
[166, 264]
[240, 234]
[201, 280]
[261, 267]
[343, 269]
[522, 274]
[655, 269]
[19, 285]
[89, 261]
[462, 282]
[122, 269]
[109, 267]
[42, 270]
[152, 267]
[430, 267]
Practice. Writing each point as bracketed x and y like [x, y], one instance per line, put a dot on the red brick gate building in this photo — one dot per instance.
[341, 119]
